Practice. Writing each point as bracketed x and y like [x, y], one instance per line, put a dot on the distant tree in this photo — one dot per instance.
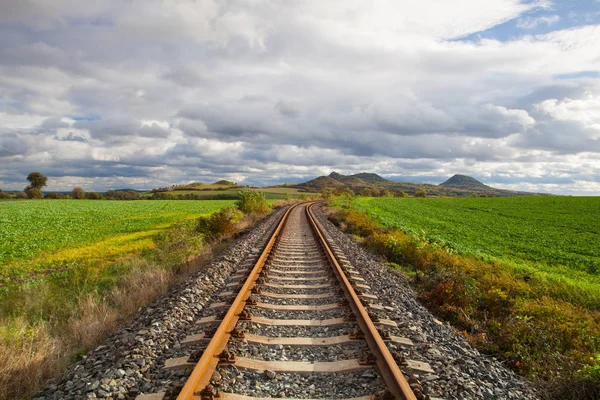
[473, 194]
[34, 190]
[55, 195]
[78, 193]
[400, 193]
[93, 196]
[4, 195]
[37, 180]
[21, 195]
[421, 193]
[483, 195]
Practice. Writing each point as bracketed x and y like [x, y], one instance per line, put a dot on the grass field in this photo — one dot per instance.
[49, 235]
[520, 277]
[555, 231]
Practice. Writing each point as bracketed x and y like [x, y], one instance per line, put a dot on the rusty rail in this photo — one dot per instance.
[202, 372]
[390, 372]
[207, 364]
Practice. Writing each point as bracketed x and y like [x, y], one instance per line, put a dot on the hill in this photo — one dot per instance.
[464, 181]
[456, 186]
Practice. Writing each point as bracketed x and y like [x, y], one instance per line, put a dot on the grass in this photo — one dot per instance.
[73, 270]
[555, 231]
[518, 277]
[36, 236]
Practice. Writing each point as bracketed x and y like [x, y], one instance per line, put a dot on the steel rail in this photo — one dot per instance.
[390, 372]
[207, 364]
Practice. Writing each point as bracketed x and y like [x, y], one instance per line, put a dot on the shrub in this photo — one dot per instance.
[34, 193]
[178, 244]
[401, 194]
[122, 195]
[253, 202]
[21, 195]
[220, 224]
[4, 195]
[421, 193]
[55, 195]
[93, 196]
[77, 193]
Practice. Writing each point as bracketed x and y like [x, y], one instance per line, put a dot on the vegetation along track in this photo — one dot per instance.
[300, 294]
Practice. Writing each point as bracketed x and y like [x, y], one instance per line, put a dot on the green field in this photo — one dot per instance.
[38, 235]
[519, 277]
[554, 231]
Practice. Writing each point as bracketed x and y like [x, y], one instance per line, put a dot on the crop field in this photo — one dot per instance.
[547, 231]
[39, 235]
[519, 276]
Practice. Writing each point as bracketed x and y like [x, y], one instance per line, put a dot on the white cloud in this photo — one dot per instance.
[585, 110]
[534, 22]
[169, 91]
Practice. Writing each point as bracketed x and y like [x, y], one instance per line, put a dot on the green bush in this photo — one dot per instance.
[421, 193]
[93, 196]
[253, 202]
[220, 224]
[34, 193]
[178, 244]
[4, 195]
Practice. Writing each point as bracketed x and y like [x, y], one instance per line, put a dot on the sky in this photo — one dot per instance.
[146, 93]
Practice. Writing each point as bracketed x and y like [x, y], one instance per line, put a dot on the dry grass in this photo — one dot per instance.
[31, 354]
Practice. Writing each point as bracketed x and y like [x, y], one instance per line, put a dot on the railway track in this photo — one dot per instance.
[296, 318]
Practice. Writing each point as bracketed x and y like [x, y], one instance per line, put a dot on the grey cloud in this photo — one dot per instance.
[12, 145]
[254, 89]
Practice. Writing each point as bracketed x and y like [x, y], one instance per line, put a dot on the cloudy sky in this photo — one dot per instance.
[141, 94]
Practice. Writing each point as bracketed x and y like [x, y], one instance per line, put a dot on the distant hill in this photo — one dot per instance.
[223, 182]
[457, 185]
[218, 185]
[464, 181]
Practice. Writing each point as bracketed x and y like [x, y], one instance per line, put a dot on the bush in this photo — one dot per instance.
[77, 193]
[4, 195]
[178, 244]
[421, 193]
[55, 195]
[253, 202]
[122, 195]
[93, 196]
[21, 195]
[220, 224]
[34, 193]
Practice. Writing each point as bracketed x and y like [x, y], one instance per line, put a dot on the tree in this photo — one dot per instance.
[421, 193]
[34, 190]
[37, 180]
[77, 193]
